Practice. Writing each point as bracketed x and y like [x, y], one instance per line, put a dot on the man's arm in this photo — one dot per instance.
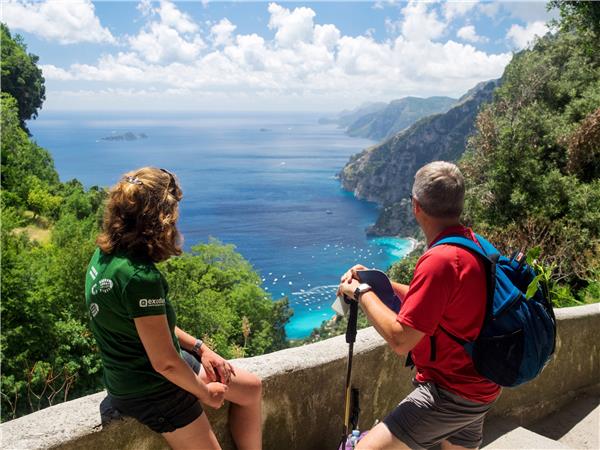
[400, 337]
[400, 289]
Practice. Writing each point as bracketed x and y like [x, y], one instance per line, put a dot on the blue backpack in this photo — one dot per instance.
[518, 335]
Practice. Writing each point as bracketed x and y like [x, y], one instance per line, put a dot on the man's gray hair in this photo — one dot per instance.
[439, 188]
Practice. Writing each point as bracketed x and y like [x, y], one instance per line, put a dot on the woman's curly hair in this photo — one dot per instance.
[141, 215]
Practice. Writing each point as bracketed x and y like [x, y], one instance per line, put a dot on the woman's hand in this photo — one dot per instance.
[216, 365]
[214, 395]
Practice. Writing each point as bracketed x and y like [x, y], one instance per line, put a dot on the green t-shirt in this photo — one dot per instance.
[118, 289]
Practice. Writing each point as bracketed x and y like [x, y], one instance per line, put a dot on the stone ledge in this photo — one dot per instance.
[303, 394]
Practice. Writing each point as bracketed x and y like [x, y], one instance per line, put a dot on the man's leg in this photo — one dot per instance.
[469, 437]
[380, 438]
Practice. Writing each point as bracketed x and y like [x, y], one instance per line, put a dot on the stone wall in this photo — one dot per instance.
[303, 394]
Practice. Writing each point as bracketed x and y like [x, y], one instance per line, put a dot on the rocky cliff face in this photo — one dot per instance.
[397, 116]
[384, 173]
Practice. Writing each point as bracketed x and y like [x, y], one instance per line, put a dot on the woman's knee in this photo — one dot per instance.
[255, 386]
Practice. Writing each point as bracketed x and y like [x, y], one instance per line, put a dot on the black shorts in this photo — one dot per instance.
[166, 410]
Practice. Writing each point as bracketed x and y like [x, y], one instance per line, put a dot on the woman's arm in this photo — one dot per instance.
[187, 341]
[156, 338]
[211, 361]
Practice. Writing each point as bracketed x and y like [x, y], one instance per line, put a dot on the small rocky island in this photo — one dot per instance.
[128, 136]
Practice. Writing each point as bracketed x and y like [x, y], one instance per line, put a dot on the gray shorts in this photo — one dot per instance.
[430, 415]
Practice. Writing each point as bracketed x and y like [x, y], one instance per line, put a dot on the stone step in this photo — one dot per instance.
[522, 438]
[576, 425]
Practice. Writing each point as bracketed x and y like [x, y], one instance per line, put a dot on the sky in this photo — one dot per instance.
[271, 56]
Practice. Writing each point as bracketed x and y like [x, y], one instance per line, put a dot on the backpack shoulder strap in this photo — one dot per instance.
[488, 254]
[461, 241]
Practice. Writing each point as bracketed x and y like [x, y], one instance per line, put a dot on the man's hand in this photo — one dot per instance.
[347, 288]
[216, 365]
[215, 395]
[351, 274]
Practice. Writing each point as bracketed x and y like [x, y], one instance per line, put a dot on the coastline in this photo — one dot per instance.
[414, 243]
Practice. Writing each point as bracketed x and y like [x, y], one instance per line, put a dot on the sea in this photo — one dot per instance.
[265, 182]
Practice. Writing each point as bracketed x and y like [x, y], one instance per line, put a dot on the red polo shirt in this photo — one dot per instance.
[448, 289]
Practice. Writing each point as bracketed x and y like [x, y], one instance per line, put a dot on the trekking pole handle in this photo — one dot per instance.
[352, 319]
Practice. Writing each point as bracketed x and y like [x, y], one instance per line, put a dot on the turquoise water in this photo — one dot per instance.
[264, 182]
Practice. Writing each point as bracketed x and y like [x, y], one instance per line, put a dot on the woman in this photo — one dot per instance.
[151, 368]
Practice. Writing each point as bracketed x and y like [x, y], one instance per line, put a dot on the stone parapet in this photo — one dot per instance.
[303, 394]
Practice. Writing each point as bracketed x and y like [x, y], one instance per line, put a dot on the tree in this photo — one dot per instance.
[20, 157]
[217, 296]
[531, 166]
[577, 16]
[21, 77]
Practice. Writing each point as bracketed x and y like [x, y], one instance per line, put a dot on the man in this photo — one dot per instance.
[446, 295]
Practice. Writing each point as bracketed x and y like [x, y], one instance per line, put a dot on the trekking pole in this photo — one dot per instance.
[350, 339]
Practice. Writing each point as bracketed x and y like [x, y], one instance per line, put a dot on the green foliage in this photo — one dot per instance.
[402, 271]
[531, 166]
[22, 160]
[40, 200]
[579, 17]
[21, 78]
[217, 295]
[559, 295]
[334, 327]
[47, 351]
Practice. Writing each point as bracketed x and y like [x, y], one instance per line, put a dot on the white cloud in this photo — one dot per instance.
[420, 22]
[51, 72]
[454, 9]
[145, 7]
[490, 9]
[304, 64]
[171, 38]
[174, 18]
[468, 33]
[529, 11]
[521, 37]
[222, 31]
[67, 22]
[292, 26]
[326, 36]
[160, 43]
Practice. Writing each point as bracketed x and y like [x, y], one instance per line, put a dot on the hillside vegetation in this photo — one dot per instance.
[48, 236]
[533, 165]
[397, 116]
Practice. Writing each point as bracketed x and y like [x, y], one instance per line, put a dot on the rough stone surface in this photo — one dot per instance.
[522, 438]
[303, 394]
[577, 425]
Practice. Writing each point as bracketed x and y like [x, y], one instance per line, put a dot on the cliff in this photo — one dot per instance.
[384, 173]
[397, 116]
[346, 117]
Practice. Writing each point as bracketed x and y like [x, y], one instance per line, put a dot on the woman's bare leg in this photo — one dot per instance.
[196, 435]
[245, 418]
